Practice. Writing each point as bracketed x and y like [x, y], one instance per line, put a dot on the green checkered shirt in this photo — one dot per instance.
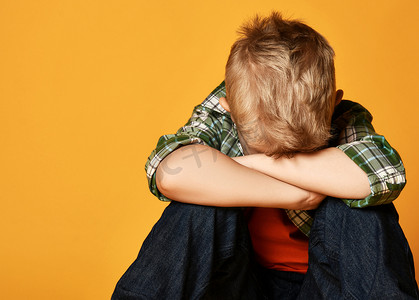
[353, 133]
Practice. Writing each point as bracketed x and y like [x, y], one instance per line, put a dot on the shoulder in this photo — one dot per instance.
[212, 102]
[350, 122]
[350, 110]
[350, 114]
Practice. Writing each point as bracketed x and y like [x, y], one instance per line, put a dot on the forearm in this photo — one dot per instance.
[202, 175]
[328, 171]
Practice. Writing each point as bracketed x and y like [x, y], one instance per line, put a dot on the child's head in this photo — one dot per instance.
[280, 86]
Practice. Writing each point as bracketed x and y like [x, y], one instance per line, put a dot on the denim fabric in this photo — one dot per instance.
[200, 252]
[358, 254]
[193, 252]
[279, 284]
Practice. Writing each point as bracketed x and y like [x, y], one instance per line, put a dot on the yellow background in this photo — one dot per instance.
[87, 87]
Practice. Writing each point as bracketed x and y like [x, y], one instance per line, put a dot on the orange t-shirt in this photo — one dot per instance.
[277, 242]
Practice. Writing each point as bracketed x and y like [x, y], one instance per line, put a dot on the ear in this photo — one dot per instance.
[224, 104]
[339, 96]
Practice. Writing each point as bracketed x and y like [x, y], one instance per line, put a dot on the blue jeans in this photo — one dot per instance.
[201, 252]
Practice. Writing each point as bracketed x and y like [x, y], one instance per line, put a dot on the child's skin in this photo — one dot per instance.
[256, 180]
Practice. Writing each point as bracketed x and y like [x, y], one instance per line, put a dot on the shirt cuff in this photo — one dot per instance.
[383, 166]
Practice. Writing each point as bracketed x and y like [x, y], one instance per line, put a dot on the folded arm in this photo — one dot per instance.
[363, 169]
[202, 175]
[328, 171]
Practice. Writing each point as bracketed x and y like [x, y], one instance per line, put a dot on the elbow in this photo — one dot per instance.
[165, 181]
[363, 189]
[313, 200]
[159, 181]
[307, 201]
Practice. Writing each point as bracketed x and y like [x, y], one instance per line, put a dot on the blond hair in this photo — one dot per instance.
[280, 86]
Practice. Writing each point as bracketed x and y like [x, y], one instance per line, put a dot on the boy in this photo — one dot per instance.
[280, 108]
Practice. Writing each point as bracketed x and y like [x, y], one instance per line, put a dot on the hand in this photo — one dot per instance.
[313, 200]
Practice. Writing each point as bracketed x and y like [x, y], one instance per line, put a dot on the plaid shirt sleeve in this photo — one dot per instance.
[204, 127]
[372, 153]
